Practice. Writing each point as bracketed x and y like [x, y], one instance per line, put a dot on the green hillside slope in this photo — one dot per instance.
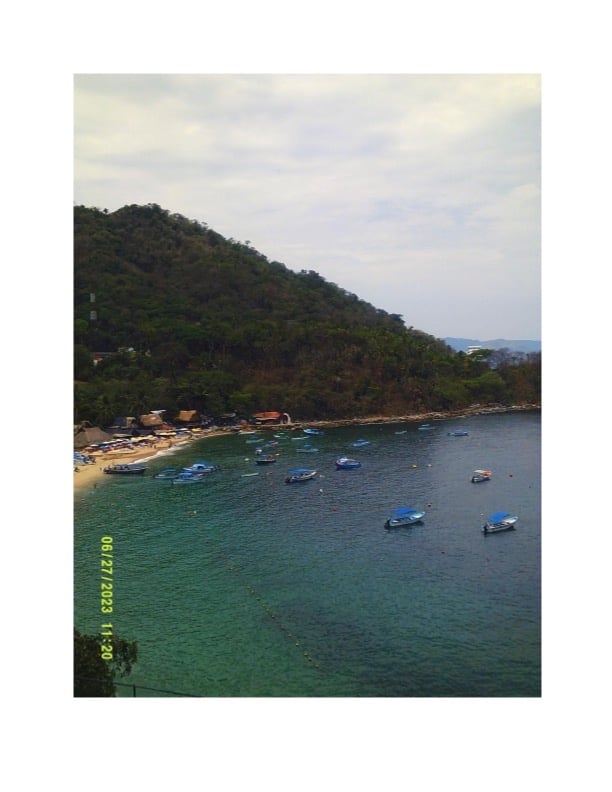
[183, 318]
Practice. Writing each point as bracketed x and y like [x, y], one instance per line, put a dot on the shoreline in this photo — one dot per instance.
[88, 476]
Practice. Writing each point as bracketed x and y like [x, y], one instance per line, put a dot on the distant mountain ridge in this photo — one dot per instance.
[526, 346]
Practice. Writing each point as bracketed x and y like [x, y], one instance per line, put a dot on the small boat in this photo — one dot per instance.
[267, 448]
[266, 459]
[360, 443]
[167, 473]
[307, 449]
[189, 477]
[402, 431]
[300, 474]
[404, 516]
[313, 431]
[132, 468]
[500, 521]
[202, 467]
[346, 463]
[424, 427]
[458, 433]
[481, 475]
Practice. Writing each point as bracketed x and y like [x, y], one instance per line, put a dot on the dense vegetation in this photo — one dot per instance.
[196, 321]
[95, 677]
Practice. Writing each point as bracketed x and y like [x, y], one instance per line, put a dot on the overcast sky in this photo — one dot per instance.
[420, 194]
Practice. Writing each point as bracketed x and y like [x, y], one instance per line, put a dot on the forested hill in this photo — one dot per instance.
[183, 318]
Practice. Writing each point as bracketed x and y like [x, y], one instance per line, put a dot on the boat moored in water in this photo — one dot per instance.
[167, 473]
[189, 477]
[499, 521]
[300, 474]
[406, 515]
[458, 433]
[202, 467]
[346, 463]
[265, 459]
[481, 475]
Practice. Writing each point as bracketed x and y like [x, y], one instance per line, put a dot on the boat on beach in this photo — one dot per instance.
[481, 475]
[499, 521]
[298, 475]
[406, 515]
[347, 463]
[129, 469]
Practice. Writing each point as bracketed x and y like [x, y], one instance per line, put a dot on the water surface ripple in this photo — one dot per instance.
[247, 586]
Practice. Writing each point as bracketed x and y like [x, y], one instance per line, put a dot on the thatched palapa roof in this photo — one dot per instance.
[188, 415]
[151, 420]
[89, 435]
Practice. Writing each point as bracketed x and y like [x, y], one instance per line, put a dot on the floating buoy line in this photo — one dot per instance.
[264, 605]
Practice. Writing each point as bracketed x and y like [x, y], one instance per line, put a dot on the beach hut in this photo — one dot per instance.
[151, 420]
[90, 434]
[188, 416]
[271, 417]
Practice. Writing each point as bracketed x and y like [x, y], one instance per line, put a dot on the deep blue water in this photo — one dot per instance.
[247, 586]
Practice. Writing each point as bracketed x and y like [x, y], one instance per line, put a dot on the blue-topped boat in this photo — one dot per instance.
[346, 463]
[313, 431]
[406, 515]
[189, 477]
[202, 467]
[300, 474]
[499, 521]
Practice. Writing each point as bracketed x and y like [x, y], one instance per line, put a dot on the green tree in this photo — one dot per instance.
[95, 677]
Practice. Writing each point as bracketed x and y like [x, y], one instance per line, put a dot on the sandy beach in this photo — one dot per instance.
[88, 476]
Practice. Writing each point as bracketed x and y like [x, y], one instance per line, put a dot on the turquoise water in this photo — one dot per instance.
[246, 586]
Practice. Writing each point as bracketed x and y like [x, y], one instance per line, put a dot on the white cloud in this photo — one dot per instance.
[385, 184]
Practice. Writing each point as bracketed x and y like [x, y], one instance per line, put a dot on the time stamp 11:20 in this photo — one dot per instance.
[106, 595]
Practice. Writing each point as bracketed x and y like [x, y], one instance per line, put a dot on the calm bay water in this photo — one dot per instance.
[246, 586]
